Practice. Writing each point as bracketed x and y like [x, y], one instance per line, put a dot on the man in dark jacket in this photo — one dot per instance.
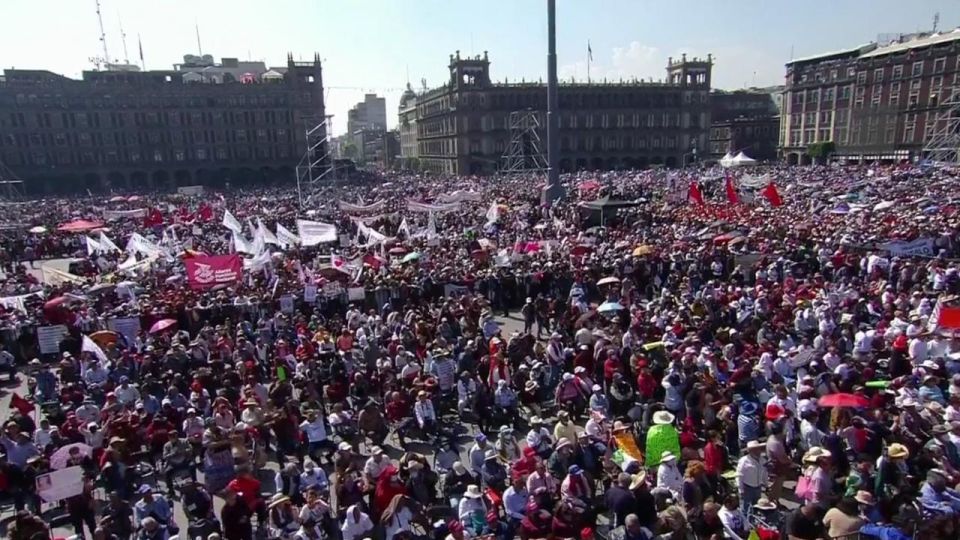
[620, 500]
[235, 518]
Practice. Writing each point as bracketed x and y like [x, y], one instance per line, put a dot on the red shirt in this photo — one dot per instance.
[610, 367]
[713, 458]
[646, 385]
[248, 488]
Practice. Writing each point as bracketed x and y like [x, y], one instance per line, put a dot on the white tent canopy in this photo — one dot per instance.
[740, 160]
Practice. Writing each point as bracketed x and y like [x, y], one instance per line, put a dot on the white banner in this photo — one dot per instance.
[310, 294]
[355, 294]
[58, 485]
[231, 222]
[415, 206]
[128, 327]
[17, 302]
[92, 246]
[315, 232]
[258, 262]
[190, 190]
[48, 337]
[460, 196]
[918, 248]
[88, 345]
[139, 244]
[241, 245]
[54, 276]
[110, 215]
[362, 209]
[268, 237]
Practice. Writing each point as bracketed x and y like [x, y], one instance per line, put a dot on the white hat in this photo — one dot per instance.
[473, 492]
[753, 445]
[344, 446]
[667, 456]
[663, 417]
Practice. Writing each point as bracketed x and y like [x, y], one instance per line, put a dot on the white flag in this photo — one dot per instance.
[405, 229]
[285, 237]
[268, 237]
[231, 222]
[240, 244]
[106, 244]
[493, 213]
[92, 246]
[315, 232]
[90, 346]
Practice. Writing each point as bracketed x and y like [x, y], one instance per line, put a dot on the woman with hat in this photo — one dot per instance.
[472, 510]
[661, 437]
[892, 470]
[284, 517]
[817, 482]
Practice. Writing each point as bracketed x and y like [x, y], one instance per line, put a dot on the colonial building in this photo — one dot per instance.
[745, 121]
[463, 127]
[407, 128]
[201, 123]
[873, 102]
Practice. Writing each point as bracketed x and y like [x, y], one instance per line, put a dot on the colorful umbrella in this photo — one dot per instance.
[39, 229]
[843, 400]
[398, 250]
[59, 458]
[162, 325]
[640, 251]
[79, 225]
[410, 257]
[104, 337]
[608, 281]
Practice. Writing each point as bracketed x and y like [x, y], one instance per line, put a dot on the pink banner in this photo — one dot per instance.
[208, 271]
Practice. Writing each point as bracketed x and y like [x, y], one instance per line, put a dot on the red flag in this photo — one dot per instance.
[732, 196]
[771, 194]
[20, 404]
[694, 193]
[205, 213]
[153, 218]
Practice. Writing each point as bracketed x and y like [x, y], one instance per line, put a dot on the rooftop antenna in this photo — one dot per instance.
[199, 47]
[123, 37]
[936, 21]
[103, 39]
[408, 74]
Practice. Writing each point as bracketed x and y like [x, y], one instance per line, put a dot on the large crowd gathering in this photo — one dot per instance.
[702, 354]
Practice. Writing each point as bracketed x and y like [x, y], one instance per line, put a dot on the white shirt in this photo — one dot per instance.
[424, 411]
[669, 477]
[373, 469]
[751, 472]
[316, 431]
[355, 529]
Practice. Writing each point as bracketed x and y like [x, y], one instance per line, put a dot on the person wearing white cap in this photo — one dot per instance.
[598, 401]
[751, 475]
[538, 438]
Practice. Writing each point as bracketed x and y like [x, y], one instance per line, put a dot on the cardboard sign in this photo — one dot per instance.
[128, 327]
[286, 303]
[356, 294]
[332, 289]
[58, 485]
[48, 337]
[310, 294]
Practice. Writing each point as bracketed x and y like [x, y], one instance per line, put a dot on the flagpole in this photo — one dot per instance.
[589, 58]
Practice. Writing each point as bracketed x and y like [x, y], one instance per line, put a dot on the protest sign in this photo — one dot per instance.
[48, 337]
[58, 485]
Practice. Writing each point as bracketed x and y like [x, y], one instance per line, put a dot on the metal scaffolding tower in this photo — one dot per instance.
[11, 186]
[943, 144]
[315, 163]
[524, 152]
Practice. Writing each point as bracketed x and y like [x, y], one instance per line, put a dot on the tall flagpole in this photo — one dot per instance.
[589, 58]
[552, 190]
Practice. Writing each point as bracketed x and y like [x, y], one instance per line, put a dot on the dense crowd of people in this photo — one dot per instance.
[703, 354]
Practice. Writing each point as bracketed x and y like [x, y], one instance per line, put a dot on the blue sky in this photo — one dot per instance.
[371, 45]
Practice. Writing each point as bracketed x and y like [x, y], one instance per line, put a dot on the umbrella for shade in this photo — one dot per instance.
[640, 251]
[80, 225]
[609, 306]
[843, 400]
[397, 250]
[55, 302]
[59, 458]
[409, 257]
[100, 288]
[104, 337]
[162, 325]
[608, 281]
[39, 229]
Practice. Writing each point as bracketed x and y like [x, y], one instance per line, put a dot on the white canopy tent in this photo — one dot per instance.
[740, 160]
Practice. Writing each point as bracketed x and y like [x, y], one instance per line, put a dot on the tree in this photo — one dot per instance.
[350, 151]
[820, 152]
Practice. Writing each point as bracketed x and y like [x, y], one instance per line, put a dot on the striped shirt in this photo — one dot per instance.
[748, 428]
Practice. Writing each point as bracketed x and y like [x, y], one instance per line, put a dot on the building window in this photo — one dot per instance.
[824, 135]
[809, 119]
[936, 83]
[222, 154]
[878, 75]
[201, 154]
[795, 136]
[845, 92]
[157, 156]
[833, 74]
[814, 96]
[877, 93]
[851, 71]
[939, 65]
[179, 155]
[825, 117]
[828, 94]
[862, 77]
[908, 133]
[897, 72]
[917, 69]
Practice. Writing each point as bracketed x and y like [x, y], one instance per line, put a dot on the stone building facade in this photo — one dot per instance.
[463, 126]
[874, 102]
[157, 129]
